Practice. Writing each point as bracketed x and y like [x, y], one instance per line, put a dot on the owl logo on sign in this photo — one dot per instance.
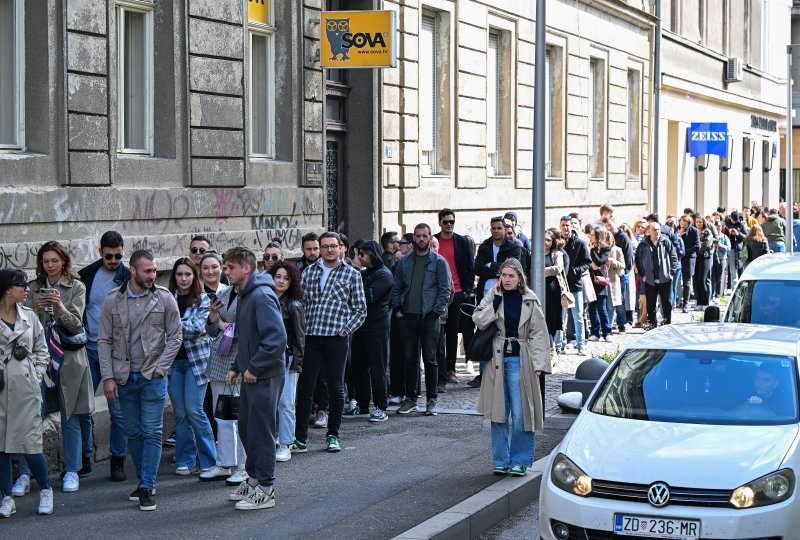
[335, 29]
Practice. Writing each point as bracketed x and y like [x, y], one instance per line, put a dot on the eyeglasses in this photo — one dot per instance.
[566, 218]
[201, 251]
[393, 242]
[272, 257]
[448, 222]
[21, 285]
[405, 242]
[109, 256]
[330, 246]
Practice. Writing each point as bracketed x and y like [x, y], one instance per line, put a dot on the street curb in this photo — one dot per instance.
[482, 511]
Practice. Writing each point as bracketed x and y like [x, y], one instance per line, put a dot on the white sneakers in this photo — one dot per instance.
[241, 492]
[283, 453]
[70, 483]
[238, 476]
[214, 473]
[257, 499]
[183, 471]
[22, 486]
[7, 507]
[45, 501]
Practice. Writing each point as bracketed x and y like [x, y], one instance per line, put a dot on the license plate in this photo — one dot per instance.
[656, 527]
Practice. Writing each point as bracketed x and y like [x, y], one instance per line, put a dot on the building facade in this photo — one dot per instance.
[722, 61]
[458, 110]
[159, 120]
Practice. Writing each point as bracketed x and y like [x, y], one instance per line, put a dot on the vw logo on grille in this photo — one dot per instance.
[658, 494]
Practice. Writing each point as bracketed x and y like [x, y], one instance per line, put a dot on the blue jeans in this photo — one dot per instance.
[193, 436]
[37, 462]
[778, 247]
[511, 444]
[70, 438]
[677, 292]
[286, 411]
[577, 319]
[116, 441]
[142, 404]
[598, 314]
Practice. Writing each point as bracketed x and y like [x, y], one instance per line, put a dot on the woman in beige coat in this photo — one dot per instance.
[23, 361]
[57, 294]
[510, 388]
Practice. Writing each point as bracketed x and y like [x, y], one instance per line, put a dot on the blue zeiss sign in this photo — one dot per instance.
[708, 138]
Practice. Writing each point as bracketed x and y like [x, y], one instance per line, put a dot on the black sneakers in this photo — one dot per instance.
[147, 500]
[117, 469]
[136, 494]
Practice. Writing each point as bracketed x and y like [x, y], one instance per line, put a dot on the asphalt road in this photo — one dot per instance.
[388, 478]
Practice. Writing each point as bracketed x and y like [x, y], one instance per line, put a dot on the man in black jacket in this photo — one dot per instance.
[491, 254]
[390, 242]
[100, 278]
[457, 251]
[578, 252]
[656, 261]
[370, 345]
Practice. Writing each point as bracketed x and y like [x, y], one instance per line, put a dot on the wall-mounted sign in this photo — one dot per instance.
[764, 124]
[359, 39]
[708, 138]
[258, 11]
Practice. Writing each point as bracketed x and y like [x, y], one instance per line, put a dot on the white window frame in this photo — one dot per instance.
[429, 157]
[598, 140]
[261, 30]
[631, 141]
[19, 82]
[493, 87]
[146, 8]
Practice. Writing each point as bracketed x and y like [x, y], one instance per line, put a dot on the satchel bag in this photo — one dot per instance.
[226, 341]
[567, 298]
[228, 403]
[481, 346]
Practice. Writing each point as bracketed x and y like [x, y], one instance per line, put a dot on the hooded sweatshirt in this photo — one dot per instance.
[259, 329]
[774, 228]
[378, 283]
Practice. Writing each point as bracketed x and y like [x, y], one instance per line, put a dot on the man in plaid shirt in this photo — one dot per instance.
[335, 306]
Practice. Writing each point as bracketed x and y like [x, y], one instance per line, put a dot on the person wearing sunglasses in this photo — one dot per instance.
[100, 278]
[272, 254]
[23, 360]
[198, 247]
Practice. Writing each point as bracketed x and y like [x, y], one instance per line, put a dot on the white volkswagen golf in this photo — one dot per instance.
[691, 433]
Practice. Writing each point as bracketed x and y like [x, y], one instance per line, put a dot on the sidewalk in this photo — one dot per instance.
[505, 497]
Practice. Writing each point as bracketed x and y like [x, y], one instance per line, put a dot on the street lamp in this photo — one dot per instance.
[789, 133]
[539, 153]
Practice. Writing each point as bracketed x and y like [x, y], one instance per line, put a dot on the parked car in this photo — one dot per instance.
[767, 293]
[691, 433]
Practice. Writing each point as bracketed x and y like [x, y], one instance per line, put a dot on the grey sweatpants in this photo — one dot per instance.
[258, 406]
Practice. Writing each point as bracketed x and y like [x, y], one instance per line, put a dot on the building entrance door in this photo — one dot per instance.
[335, 171]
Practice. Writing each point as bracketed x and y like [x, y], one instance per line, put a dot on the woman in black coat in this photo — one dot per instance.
[598, 313]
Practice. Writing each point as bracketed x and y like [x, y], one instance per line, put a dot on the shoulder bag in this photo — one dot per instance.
[567, 298]
[227, 407]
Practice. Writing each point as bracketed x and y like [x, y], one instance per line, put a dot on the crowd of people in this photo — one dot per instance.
[339, 332]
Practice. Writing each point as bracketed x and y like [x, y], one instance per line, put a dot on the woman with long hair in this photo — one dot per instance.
[194, 440]
[599, 251]
[24, 358]
[231, 455]
[510, 393]
[555, 262]
[616, 269]
[756, 244]
[58, 297]
[272, 254]
[287, 287]
[704, 264]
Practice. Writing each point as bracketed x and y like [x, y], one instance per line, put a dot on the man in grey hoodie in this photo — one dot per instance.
[260, 361]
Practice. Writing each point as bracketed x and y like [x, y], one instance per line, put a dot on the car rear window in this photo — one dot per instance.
[766, 302]
[700, 387]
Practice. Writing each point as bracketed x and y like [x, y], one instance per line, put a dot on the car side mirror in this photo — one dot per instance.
[712, 314]
[570, 402]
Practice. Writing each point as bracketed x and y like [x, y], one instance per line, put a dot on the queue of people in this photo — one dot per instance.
[349, 329]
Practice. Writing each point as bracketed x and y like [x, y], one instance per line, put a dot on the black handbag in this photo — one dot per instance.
[481, 346]
[228, 403]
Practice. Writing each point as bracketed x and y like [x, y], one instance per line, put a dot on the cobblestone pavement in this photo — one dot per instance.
[463, 399]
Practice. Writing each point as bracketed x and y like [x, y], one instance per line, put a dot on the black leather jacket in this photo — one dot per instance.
[294, 322]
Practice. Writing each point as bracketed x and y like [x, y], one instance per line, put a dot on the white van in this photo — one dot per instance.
[767, 293]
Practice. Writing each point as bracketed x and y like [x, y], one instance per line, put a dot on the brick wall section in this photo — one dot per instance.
[87, 93]
[216, 92]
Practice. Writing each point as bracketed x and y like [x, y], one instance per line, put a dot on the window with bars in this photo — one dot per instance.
[429, 115]
[634, 121]
[597, 117]
[135, 79]
[11, 75]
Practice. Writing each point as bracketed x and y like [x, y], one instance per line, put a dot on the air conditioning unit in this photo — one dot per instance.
[733, 70]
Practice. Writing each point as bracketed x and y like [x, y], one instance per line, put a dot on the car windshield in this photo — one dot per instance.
[766, 302]
[700, 387]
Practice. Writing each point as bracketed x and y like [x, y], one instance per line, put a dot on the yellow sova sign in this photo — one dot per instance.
[358, 39]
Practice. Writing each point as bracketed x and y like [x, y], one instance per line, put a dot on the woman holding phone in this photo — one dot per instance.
[57, 296]
[23, 361]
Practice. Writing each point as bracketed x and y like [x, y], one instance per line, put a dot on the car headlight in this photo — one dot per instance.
[569, 477]
[770, 489]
